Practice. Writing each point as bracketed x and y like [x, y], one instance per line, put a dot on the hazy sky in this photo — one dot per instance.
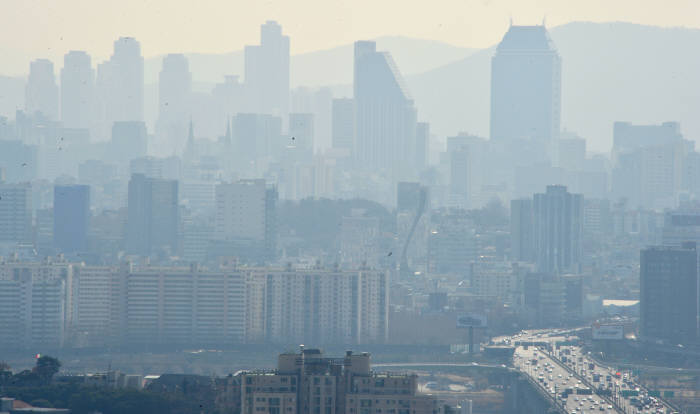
[48, 28]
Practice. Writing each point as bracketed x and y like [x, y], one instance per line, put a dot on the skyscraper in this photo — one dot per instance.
[526, 86]
[41, 92]
[71, 212]
[77, 90]
[648, 163]
[267, 72]
[343, 123]
[385, 116]
[120, 83]
[521, 234]
[301, 129]
[129, 140]
[246, 212]
[422, 145]
[558, 227]
[152, 223]
[256, 136]
[668, 281]
[460, 177]
[15, 212]
[174, 90]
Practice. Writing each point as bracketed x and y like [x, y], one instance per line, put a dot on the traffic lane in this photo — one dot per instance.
[599, 402]
[653, 405]
[558, 379]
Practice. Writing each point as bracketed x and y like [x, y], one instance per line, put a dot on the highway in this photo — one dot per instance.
[566, 370]
[557, 380]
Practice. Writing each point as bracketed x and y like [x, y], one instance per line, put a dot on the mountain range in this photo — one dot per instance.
[322, 67]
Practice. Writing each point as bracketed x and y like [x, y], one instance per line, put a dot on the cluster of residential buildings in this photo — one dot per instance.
[56, 303]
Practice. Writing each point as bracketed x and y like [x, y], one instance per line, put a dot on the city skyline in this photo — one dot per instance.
[205, 29]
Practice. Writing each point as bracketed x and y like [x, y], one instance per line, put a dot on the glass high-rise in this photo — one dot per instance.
[526, 86]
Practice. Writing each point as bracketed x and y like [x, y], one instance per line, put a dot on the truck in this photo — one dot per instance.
[584, 391]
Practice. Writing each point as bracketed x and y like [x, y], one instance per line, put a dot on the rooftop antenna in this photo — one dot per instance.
[544, 20]
[511, 21]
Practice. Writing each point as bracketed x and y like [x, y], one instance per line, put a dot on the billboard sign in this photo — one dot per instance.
[475, 320]
[608, 332]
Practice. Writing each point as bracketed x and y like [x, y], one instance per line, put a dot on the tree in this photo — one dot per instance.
[47, 367]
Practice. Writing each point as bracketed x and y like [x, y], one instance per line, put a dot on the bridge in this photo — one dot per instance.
[524, 395]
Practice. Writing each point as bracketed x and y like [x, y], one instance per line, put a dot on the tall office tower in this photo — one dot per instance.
[521, 231]
[668, 297]
[71, 213]
[129, 141]
[246, 215]
[152, 223]
[168, 168]
[545, 294]
[526, 86]
[385, 116]
[256, 136]
[15, 213]
[452, 242]
[41, 92]
[318, 102]
[174, 95]
[571, 152]
[558, 228]
[229, 97]
[597, 217]
[301, 129]
[680, 226]
[18, 161]
[267, 72]
[422, 145]
[120, 83]
[491, 277]
[648, 163]
[343, 129]
[77, 90]
[460, 178]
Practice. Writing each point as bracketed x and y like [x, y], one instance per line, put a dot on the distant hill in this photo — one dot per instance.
[323, 67]
[610, 71]
[335, 66]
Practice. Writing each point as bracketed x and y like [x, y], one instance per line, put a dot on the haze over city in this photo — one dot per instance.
[349, 207]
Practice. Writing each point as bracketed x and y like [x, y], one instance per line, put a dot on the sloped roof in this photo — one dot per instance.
[526, 38]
